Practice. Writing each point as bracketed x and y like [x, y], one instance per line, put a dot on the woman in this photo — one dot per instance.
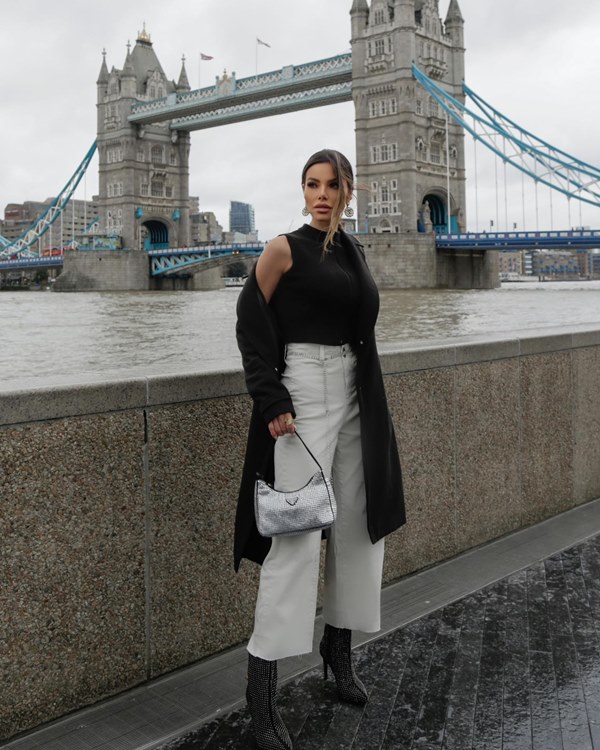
[305, 329]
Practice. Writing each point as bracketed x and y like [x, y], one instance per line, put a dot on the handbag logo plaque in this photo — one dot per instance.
[310, 508]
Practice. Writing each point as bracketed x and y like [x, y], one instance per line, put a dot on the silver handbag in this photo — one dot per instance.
[310, 508]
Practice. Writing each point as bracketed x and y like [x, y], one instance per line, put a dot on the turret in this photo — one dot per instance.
[359, 14]
[455, 28]
[404, 14]
[102, 81]
[128, 78]
[183, 83]
[455, 24]
[454, 14]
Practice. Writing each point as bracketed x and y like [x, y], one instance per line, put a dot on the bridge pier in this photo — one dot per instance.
[411, 261]
[104, 271]
[204, 281]
[201, 281]
[468, 269]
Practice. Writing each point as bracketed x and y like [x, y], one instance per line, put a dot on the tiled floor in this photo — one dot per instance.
[514, 666]
[496, 649]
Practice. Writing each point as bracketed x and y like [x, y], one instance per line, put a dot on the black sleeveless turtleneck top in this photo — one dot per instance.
[316, 301]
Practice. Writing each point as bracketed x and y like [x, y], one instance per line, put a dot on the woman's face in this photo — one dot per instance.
[321, 191]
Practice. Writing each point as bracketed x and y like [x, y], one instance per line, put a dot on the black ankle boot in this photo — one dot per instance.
[335, 650]
[269, 730]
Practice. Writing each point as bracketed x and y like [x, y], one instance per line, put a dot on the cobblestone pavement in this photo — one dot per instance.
[515, 666]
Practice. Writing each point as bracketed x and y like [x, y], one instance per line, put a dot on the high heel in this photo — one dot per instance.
[336, 653]
[269, 730]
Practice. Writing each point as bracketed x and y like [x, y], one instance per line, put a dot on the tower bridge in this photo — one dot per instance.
[405, 75]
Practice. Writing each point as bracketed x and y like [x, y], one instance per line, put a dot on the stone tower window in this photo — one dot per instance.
[157, 154]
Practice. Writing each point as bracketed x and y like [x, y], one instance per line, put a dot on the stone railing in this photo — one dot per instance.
[118, 499]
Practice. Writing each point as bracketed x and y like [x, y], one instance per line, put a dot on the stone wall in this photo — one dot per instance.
[104, 271]
[118, 500]
[405, 261]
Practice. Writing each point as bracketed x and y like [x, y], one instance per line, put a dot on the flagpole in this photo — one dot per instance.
[199, 70]
[256, 60]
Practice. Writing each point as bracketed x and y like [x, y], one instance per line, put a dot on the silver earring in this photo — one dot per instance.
[305, 211]
[349, 211]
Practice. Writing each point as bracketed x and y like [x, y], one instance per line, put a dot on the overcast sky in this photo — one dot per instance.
[538, 61]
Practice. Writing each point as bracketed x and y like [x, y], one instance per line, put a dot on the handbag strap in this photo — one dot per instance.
[308, 449]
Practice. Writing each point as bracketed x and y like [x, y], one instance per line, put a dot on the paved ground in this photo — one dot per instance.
[495, 648]
[514, 666]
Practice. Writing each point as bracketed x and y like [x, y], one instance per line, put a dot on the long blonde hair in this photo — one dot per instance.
[345, 177]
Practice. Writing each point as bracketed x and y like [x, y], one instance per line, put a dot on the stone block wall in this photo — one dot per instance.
[118, 500]
[401, 261]
[104, 271]
[411, 261]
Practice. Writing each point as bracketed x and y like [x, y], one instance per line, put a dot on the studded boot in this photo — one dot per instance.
[335, 651]
[269, 730]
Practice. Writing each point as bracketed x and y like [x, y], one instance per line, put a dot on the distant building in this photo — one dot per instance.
[75, 219]
[511, 262]
[241, 218]
[595, 264]
[240, 237]
[559, 264]
[205, 228]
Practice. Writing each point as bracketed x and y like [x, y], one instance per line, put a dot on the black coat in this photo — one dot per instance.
[263, 358]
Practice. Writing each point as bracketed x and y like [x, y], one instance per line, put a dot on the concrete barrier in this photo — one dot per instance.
[118, 498]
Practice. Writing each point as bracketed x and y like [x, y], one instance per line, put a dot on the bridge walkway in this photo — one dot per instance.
[496, 649]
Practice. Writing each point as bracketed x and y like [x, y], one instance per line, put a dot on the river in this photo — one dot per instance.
[49, 335]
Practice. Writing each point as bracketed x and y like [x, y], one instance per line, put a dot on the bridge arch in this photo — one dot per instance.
[435, 203]
[155, 234]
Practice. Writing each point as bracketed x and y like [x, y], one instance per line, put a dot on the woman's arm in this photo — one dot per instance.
[275, 260]
[272, 264]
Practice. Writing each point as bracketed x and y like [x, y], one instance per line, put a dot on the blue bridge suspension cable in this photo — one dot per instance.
[22, 246]
[526, 152]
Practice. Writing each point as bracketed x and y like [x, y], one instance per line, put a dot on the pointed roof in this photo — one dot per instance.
[128, 69]
[359, 6]
[454, 15]
[103, 75]
[145, 62]
[183, 84]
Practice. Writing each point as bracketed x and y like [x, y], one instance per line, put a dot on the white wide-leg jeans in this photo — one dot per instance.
[321, 382]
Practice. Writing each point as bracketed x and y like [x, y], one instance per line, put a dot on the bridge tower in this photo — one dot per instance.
[143, 170]
[406, 153]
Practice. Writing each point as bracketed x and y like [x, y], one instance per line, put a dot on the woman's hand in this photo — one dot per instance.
[282, 425]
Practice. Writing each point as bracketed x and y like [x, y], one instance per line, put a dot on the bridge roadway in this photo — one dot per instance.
[163, 261]
[171, 261]
[294, 87]
[581, 239]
